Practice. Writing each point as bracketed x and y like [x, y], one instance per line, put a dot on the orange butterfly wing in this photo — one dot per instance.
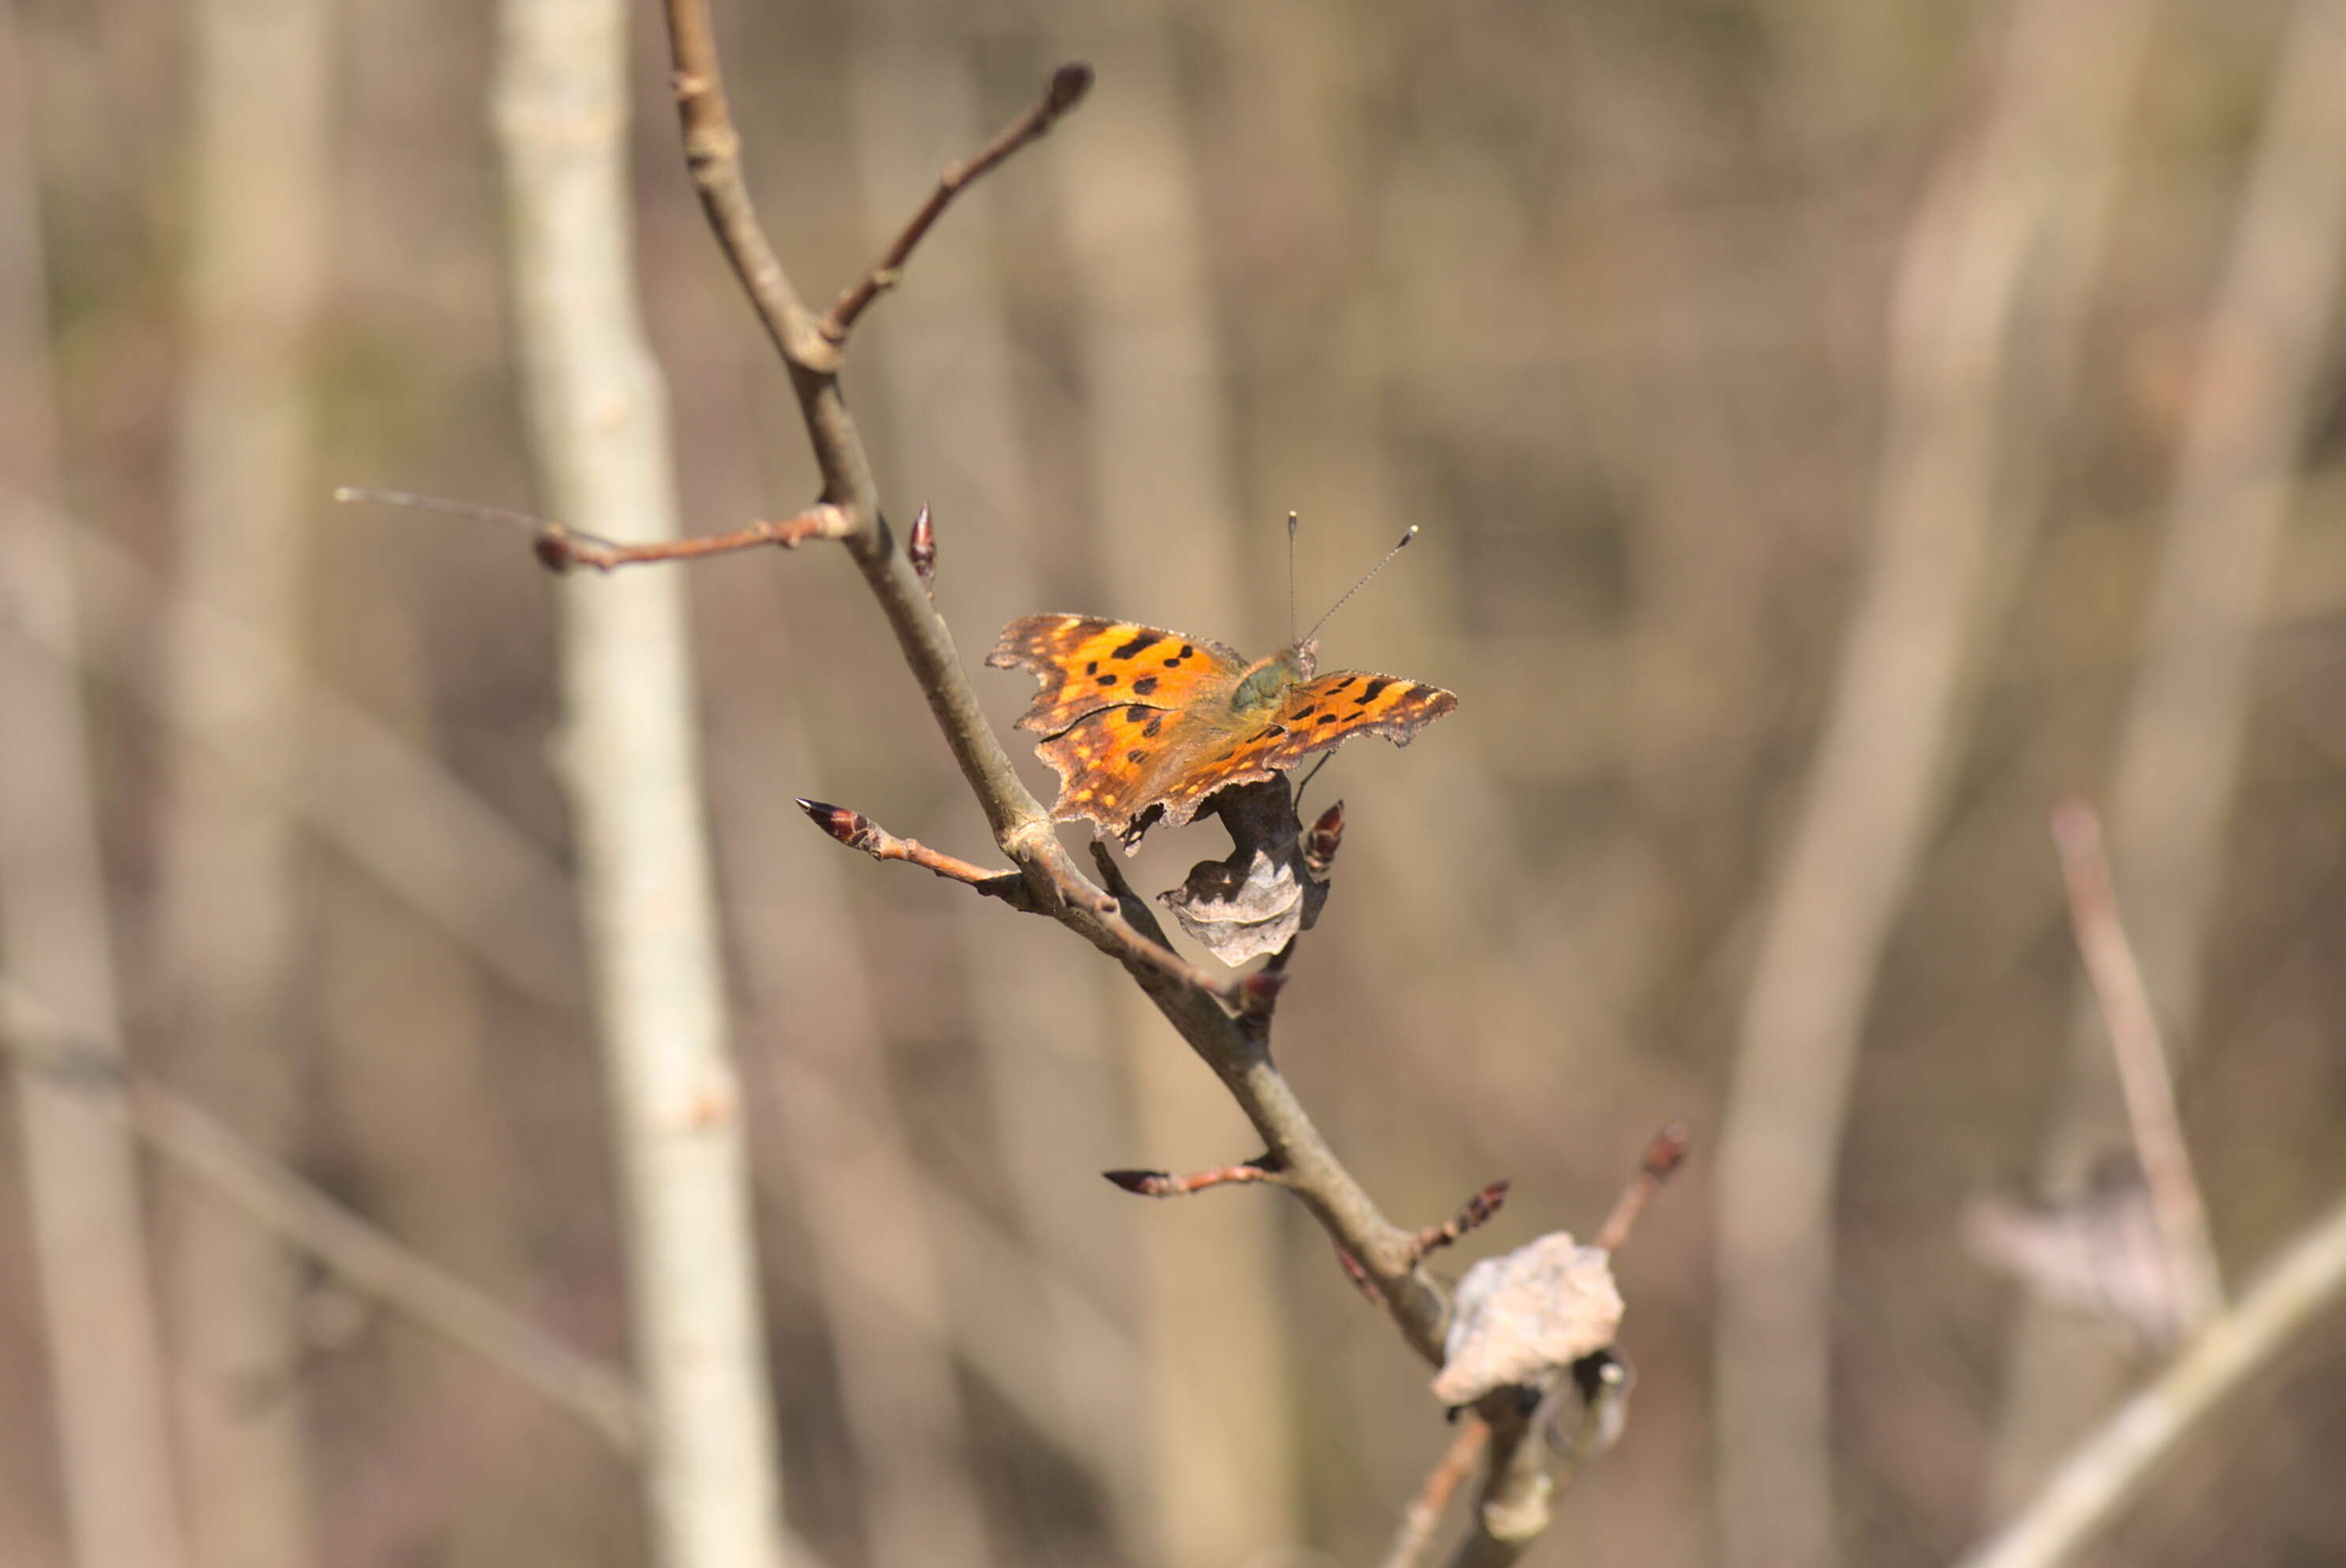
[1315, 715]
[1085, 664]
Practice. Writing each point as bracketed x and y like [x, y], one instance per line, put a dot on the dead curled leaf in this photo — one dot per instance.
[1239, 911]
[1543, 1306]
[1257, 899]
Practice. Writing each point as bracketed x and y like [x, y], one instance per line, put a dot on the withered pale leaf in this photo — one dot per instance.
[1544, 1305]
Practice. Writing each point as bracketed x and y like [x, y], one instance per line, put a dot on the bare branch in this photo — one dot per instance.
[2143, 1073]
[1067, 87]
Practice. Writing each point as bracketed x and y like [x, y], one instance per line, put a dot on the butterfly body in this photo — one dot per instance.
[1143, 725]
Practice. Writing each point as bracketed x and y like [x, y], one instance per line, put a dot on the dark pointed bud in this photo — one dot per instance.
[553, 551]
[1146, 1183]
[1069, 83]
[1667, 1150]
[923, 550]
[1258, 992]
[1484, 1204]
[1322, 839]
[851, 827]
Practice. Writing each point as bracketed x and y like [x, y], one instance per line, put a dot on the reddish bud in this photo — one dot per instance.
[1148, 1184]
[1258, 992]
[1069, 83]
[851, 827]
[922, 548]
[1484, 1205]
[1323, 837]
[553, 551]
[1667, 1150]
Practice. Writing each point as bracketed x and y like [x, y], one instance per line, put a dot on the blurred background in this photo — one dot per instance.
[1841, 430]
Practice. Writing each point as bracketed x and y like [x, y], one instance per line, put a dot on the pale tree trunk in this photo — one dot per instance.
[598, 420]
[110, 1409]
[1939, 553]
[1165, 508]
[2179, 755]
[226, 940]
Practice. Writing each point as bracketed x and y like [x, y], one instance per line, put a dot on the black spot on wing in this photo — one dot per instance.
[1141, 641]
[1145, 685]
[1369, 692]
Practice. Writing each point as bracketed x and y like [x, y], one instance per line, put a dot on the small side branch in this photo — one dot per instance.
[858, 832]
[2143, 1075]
[1068, 85]
[1663, 1154]
[559, 547]
[1159, 1184]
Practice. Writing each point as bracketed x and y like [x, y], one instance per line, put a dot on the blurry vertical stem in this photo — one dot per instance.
[2178, 754]
[1930, 581]
[111, 1411]
[259, 145]
[599, 419]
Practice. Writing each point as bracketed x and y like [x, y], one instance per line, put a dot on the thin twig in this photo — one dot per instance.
[359, 1254]
[1160, 1184]
[1664, 1153]
[1411, 1540]
[2114, 1465]
[560, 546]
[2143, 1073]
[858, 832]
[1068, 85]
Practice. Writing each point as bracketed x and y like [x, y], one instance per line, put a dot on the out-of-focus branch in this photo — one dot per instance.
[1419, 1521]
[86, 1231]
[597, 412]
[2112, 1466]
[199, 1146]
[1932, 579]
[2142, 1073]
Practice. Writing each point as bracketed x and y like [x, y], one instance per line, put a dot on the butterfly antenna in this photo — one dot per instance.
[1291, 577]
[498, 515]
[1356, 587]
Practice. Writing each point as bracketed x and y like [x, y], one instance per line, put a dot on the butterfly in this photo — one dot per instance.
[1143, 726]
